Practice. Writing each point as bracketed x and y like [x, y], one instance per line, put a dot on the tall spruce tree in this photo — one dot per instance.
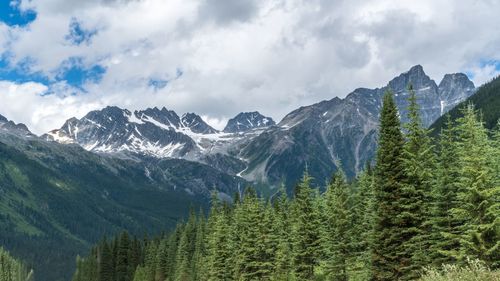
[283, 259]
[445, 226]
[305, 234]
[388, 234]
[415, 194]
[362, 223]
[105, 258]
[337, 228]
[219, 267]
[185, 250]
[478, 194]
[122, 261]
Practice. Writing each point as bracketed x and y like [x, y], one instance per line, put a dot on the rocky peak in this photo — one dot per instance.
[245, 121]
[416, 77]
[164, 116]
[13, 128]
[456, 86]
[196, 124]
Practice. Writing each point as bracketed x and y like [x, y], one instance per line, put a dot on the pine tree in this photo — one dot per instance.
[338, 227]
[445, 226]
[105, 259]
[161, 259]
[12, 269]
[252, 223]
[219, 243]
[122, 261]
[389, 176]
[415, 196]
[362, 223]
[282, 258]
[478, 194]
[198, 263]
[305, 235]
[185, 250]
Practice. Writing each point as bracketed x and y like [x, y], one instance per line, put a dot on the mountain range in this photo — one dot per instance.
[323, 136]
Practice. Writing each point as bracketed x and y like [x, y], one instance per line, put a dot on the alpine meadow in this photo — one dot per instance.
[249, 140]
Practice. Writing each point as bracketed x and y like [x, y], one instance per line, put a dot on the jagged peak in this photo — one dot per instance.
[456, 77]
[245, 121]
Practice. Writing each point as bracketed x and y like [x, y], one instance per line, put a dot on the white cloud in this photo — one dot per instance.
[267, 55]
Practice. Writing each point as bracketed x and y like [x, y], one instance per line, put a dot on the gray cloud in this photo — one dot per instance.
[227, 11]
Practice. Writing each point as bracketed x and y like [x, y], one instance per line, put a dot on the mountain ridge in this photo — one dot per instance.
[325, 134]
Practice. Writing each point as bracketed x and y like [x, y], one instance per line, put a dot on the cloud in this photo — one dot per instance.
[227, 11]
[221, 57]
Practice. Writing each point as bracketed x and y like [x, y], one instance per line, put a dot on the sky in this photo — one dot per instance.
[64, 58]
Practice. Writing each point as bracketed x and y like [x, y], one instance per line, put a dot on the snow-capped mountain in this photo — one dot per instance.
[153, 132]
[246, 121]
[253, 146]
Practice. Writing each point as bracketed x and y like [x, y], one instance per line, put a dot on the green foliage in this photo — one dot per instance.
[415, 199]
[12, 269]
[305, 233]
[474, 270]
[478, 194]
[338, 218]
[389, 234]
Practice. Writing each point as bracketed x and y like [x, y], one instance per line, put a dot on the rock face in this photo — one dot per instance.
[7, 126]
[324, 136]
[154, 132]
[246, 121]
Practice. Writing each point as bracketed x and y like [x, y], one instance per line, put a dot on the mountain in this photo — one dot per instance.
[322, 135]
[7, 126]
[61, 199]
[153, 132]
[343, 132]
[246, 121]
[486, 100]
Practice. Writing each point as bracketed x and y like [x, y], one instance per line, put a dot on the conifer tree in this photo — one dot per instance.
[415, 196]
[106, 267]
[122, 261]
[362, 223]
[337, 227]
[12, 269]
[198, 263]
[478, 194]
[445, 226]
[305, 235]
[219, 245]
[389, 176]
[282, 258]
[185, 250]
[251, 221]
[160, 260]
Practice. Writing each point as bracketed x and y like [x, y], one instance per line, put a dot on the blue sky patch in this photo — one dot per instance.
[20, 73]
[11, 15]
[491, 62]
[157, 84]
[76, 74]
[78, 34]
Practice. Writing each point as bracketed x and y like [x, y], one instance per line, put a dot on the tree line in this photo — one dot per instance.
[423, 203]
